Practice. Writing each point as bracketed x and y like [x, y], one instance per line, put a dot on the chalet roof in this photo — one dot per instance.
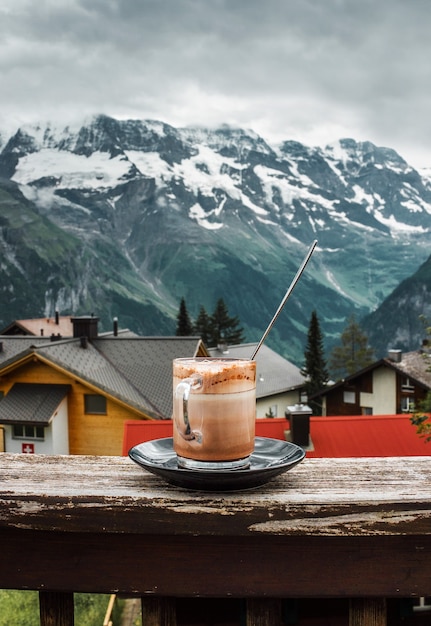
[274, 373]
[135, 370]
[415, 365]
[147, 363]
[31, 403]
[41, 327]
[366, 436]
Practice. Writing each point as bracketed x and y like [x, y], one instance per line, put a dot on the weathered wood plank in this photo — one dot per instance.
[56, 609]
[158, 611]
[341, 497]
[367, 612]
[328, 528]
[212, 566]
[263, 612]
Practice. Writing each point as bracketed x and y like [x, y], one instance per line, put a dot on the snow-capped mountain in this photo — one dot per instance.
[156, 213]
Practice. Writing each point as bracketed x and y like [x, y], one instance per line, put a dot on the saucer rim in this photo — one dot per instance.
[222, 479]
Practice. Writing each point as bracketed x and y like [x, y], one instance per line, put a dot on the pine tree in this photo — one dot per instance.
[224, 328]
[353, 354]
[184, 325]
[202, 327]
[315, 369]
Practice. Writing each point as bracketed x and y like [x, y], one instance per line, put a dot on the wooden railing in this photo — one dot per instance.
[329, 528]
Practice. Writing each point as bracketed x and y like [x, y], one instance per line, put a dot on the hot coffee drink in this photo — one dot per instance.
[214, 412]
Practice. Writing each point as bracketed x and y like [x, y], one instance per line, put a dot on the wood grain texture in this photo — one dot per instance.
[367, 612]
[56, 609]
[328, 528]
[333, 497]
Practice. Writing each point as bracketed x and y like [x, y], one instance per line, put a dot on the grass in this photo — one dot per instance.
[90, 608]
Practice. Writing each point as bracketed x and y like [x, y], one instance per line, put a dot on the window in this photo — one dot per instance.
[95, 404]
[349, 397]
[407, 404]
[406, 385]
[367, 410]
[24, 431]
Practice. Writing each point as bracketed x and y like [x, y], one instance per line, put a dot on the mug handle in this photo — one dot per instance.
[182, 393]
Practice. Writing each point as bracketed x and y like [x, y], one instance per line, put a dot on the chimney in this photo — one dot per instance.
[83, 342]
[85, 326]
[395, 356]
[222, 345]
[57, 318]
[115, 326]
[299, 418]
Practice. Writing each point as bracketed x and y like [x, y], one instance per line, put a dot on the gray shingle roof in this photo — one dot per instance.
[274, 373]
[147, 363]
[31, 403]
[14, 346]
[415, 365]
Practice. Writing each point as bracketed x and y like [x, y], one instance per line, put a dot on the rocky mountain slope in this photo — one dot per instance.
[141, 214]
[401, 321]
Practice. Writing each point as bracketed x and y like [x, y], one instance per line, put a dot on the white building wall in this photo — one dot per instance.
[280, 401]
[383, 399]
[60, 429]
[16, 445]
[11, 445]
[56, 439]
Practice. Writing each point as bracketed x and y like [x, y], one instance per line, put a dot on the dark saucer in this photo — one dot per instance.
[270, 458]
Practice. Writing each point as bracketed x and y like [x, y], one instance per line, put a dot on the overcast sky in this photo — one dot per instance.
[310, 70]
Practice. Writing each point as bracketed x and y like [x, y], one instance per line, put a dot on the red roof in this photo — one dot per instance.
[346, 436]
[366, 435]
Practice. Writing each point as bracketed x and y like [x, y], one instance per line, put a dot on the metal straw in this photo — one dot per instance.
[288, 292]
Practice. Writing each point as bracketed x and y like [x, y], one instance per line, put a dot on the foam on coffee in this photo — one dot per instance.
[218, 375]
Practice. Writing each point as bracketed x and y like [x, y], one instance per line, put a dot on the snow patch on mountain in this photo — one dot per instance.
[203, 173]
[361, 197]
[46, 197]
[197, 213]
[258, 210]
[413, 200]
[396, 227]
[273, 180]
[304, 180]
[336, 151]
[150, 164]
[333, 282]
[72, 171]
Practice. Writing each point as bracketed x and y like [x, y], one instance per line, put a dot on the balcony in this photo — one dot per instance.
[354, 529]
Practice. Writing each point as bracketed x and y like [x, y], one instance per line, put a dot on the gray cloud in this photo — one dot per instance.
[312, 70]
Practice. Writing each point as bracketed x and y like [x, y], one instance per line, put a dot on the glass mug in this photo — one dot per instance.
[214, 412]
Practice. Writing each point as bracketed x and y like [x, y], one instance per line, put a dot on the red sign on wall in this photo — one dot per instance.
[27, 448]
